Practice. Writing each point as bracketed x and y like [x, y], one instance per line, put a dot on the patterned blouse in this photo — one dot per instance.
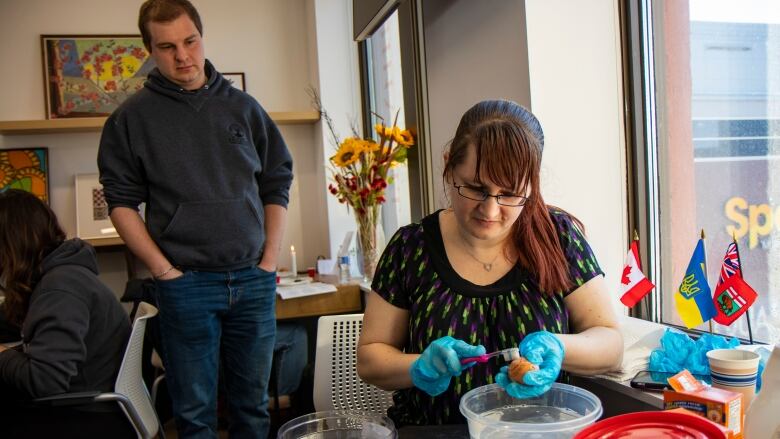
[415, 274]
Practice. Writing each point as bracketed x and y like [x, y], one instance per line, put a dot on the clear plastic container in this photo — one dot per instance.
[339, 424]
[560, 413]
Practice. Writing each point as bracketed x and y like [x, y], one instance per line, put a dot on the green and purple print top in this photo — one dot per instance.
[415, 274]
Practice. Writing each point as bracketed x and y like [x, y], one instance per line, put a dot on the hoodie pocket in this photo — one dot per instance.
[214, 234]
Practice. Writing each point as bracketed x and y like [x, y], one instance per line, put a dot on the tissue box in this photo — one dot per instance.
[720, 406]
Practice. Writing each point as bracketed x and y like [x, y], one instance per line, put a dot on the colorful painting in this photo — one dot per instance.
[90, 75]
[26, 169]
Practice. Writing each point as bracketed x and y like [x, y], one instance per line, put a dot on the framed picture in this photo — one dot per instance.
[26, 169]
[237, 79]
[92, 219]
[90, 75]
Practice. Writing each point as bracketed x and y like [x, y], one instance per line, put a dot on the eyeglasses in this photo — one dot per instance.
[478, 195]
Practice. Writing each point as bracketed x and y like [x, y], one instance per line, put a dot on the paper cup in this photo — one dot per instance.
[734, 370]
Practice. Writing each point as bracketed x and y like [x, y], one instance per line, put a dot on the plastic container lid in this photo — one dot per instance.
[641, 425]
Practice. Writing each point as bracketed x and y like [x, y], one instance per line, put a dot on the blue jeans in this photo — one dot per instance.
[291, 353]
[208, 315]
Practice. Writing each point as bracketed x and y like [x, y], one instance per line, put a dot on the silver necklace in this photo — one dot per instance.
[486, 265]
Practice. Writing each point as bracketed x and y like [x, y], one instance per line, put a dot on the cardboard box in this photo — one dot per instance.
[728, 433]
[720, 406]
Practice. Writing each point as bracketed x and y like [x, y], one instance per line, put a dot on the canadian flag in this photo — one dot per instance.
[634, 284]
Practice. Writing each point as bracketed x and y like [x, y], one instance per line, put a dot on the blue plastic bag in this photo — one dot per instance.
[678, 351]
[764, 354]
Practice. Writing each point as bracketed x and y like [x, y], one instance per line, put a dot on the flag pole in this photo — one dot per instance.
[704, 247]
[741, 273]
[639, 263]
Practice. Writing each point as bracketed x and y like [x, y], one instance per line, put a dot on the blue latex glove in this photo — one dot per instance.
[439, 362]
[679, 351]
[764, 354]
[544, 350]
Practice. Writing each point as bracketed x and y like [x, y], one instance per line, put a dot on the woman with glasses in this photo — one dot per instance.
[498, 269]
[73, 330]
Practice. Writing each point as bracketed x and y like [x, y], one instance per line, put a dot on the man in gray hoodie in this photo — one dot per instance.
[215, 174]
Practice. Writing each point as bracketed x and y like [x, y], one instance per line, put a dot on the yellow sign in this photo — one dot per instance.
[754, 220]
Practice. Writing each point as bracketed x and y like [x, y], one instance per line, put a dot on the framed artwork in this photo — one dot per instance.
[90, 75]
[92, 220]
[236, 79]
[26, 169]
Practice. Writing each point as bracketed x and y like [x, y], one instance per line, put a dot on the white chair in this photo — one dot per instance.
[129, 390]
[160, 375]
[336, 383]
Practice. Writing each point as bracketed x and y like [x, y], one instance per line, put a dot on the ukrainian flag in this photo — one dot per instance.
[693, 298]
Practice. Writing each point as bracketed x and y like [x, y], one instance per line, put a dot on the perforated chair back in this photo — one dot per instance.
[336, 383]
[129, 381]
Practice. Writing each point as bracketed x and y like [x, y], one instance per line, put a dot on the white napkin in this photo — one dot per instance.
[640, 338]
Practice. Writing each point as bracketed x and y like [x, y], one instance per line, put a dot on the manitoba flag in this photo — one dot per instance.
[733, 295]
[732, 298]
[634, 284]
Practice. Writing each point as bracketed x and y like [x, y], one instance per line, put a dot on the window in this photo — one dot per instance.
[708, 156]
[383, 98]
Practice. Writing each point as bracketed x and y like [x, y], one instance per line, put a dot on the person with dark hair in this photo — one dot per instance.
[215, 175]
[73, 329]
[498, 269]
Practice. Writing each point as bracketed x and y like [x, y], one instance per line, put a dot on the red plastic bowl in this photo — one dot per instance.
[653, 425]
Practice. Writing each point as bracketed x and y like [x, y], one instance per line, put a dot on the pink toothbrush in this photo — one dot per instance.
[508, 354]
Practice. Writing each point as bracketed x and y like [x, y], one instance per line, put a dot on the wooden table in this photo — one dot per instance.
[347, 299]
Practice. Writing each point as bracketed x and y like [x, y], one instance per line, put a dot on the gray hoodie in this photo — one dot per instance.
[75, 331]
[204, 161]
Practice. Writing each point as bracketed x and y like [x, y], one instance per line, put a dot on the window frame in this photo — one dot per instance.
[641, 131]
[641, 146]
[415, 106]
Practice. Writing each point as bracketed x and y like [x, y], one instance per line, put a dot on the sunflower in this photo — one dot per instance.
[403, 137]
[383, 131]
[348, 153]
[358, 144]
[370, 146]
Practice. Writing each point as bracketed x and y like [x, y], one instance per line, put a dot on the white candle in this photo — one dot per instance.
[293, 263]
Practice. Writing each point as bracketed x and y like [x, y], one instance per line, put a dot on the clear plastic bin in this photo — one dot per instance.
[560, 413]
[339, 424]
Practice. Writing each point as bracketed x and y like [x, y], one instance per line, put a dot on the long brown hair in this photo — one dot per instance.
[508, 141]
[164, 11]
[28, 232]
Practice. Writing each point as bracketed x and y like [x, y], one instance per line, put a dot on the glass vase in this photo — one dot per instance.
[368, 255]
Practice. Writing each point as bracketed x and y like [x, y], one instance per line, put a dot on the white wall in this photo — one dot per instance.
[335, 63]
[575, 69]
[569, 70]
[474, 51]
[269, 40]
